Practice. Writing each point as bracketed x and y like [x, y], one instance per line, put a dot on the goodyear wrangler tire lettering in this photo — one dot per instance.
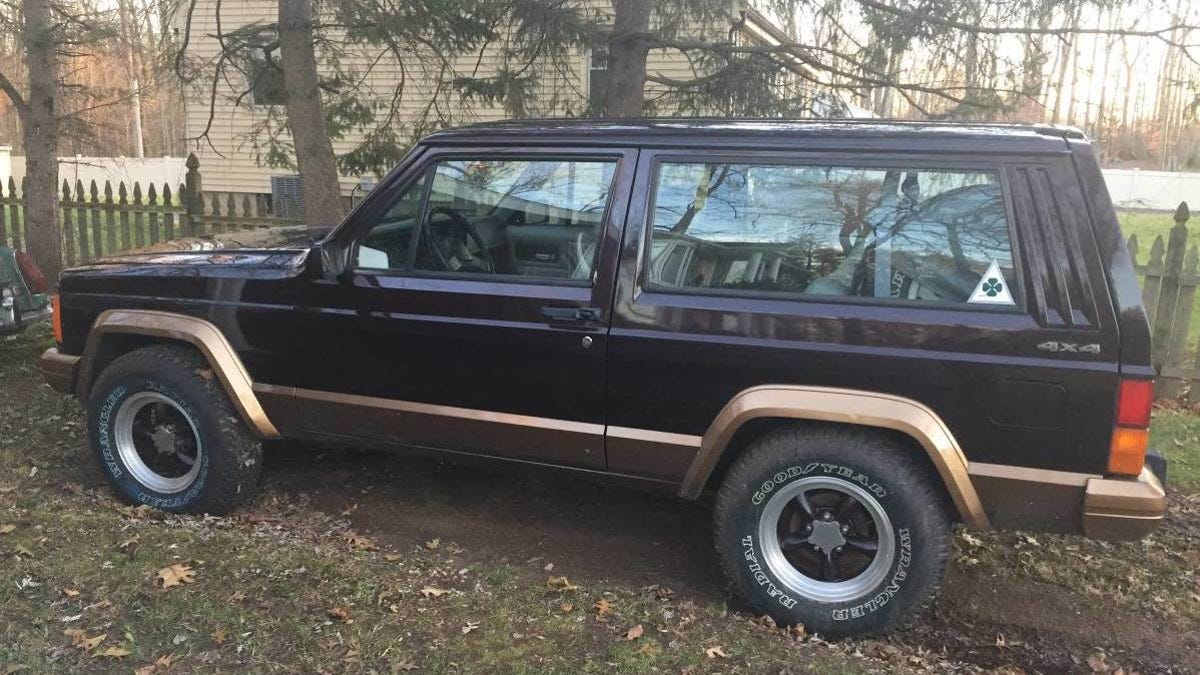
[761, 577]
[792, 472]
[794, 547]
[180, 415]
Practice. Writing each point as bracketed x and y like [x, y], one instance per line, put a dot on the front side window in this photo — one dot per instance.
[387, 245]
[497, 217]
[927, 235]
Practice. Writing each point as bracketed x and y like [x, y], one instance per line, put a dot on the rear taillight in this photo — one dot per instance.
[56, 318]
[1131, 434]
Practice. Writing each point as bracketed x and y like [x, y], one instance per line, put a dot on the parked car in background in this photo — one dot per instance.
[23, 291]
[853, 334]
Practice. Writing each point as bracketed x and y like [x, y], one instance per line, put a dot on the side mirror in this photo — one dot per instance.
[326, 260]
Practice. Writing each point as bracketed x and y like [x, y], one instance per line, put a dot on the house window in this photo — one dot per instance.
[265, 72]
[597, 78]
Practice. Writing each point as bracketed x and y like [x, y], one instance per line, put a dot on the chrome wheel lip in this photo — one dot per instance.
[132, 459]
[805, 586]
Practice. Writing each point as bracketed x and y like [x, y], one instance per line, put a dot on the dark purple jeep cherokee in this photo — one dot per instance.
[852, 334]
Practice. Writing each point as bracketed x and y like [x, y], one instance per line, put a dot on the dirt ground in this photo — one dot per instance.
[384, 529]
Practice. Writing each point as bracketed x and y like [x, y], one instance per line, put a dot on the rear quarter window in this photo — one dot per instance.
[891, 234]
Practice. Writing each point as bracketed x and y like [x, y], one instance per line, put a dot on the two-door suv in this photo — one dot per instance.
[854, 334]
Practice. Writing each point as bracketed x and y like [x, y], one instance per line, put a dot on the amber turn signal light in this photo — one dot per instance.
[56, 318]
[1127, 454]
[1131, 434]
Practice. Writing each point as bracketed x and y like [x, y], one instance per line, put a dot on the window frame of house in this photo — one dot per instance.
[264, 57]
[644, 283]
[595, 100]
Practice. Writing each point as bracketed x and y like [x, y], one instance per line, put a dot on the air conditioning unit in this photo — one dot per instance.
[287, 200]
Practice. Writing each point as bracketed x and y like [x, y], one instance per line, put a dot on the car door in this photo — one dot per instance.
[474, 314]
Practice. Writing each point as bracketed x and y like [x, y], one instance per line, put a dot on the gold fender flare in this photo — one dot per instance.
[844, 406]
[199, 333]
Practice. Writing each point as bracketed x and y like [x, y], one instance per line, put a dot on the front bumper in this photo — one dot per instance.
[1123, 508]
[61, 371]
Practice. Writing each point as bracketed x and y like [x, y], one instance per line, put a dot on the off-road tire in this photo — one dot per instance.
[231, 457]
[903, 487]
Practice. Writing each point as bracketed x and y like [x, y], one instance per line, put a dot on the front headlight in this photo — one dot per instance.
[7, 298]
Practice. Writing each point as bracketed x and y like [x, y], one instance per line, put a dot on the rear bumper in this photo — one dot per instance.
[1123, 508]
[60, 371]
[1022, 498]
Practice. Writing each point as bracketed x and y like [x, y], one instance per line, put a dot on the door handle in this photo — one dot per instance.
[571, 313]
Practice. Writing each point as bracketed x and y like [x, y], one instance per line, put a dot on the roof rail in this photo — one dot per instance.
[1059, 130]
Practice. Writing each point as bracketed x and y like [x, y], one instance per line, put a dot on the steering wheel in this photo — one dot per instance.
[458, 230]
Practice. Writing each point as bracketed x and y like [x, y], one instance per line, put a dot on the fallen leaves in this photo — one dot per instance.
[431, 592]
[89, 643]
[339, 614]
[634, 633]
[359, 542]
[567, 607]
[81, 641]
[133, 512]
[161, 665]
[603, 607]
[471, 625]
[561, 584]
[70, 592]
[717, 652]
[432, 544]
[7, 528]
[174, 575]
[113, 652]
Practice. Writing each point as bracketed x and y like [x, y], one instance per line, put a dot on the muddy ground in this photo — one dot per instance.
[1011, 603]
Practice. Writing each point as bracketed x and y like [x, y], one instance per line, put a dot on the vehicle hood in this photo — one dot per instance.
[260, 253]
[225, 262]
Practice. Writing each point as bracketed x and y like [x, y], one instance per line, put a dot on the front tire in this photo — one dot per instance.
[838, 529]
[165, 434]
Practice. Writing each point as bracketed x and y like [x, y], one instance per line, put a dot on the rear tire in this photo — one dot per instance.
[838, 529]
[165, 434]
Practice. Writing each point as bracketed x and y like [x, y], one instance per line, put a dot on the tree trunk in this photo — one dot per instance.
[624, 95]
[39, 131]
[1071, 21]
[133, 69]
[1103, 115]
[314, 151]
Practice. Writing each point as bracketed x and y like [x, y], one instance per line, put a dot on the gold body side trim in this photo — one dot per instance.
[848, 407]
[199, 333]
[542, 439]
[1028, 475]
[656, 454]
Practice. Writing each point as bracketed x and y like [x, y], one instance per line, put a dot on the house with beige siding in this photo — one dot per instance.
[229, 124]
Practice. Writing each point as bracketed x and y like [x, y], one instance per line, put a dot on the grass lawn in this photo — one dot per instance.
[1147, 225]
[89, 584]
[1176, 434]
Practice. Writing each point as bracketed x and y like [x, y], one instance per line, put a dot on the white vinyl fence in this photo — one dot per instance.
[128, 170]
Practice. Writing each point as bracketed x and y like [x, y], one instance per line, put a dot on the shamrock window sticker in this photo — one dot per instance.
[992, 289]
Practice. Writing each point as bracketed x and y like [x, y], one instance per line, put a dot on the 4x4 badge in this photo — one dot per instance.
[992, 288]
[1071, 347]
